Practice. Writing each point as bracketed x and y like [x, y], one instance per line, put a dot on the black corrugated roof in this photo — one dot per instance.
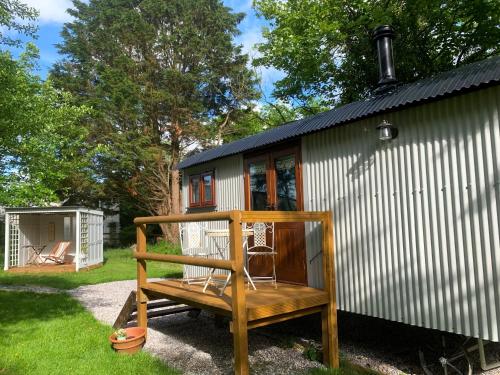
[480, 74]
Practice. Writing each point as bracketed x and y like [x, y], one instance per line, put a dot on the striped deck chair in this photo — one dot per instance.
[57, 253]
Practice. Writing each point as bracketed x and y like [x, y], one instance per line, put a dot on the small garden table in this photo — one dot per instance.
[35, 252]
[220, 237]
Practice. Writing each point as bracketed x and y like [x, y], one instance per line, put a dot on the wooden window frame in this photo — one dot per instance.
[269, 155]
[202, 202]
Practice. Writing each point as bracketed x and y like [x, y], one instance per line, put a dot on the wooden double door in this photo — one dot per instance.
[273, 181]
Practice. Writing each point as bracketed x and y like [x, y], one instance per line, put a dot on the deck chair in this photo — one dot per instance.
[192, 237]
[57, 253]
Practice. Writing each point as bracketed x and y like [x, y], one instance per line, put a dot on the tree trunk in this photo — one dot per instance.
[176, 192]
[172, 203]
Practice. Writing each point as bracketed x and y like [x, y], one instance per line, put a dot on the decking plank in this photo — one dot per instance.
[190, 295]
[51, 268]
[264, 302]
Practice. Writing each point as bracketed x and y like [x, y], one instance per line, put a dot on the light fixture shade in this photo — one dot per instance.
[386, 131]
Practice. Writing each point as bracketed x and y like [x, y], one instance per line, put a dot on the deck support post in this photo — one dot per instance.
[329, 311]
[142, 309]
[239, 311]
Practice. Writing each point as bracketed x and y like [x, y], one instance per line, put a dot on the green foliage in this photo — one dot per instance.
[346, 368]
[256, 120]
[270, 115]
[54, 334]
[326, 49]
[311, 353]
[155, 72]
[118, 265]
[121, 334]
[42, 144]
[16, 18]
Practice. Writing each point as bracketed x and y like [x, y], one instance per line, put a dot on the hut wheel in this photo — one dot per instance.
[447, 356]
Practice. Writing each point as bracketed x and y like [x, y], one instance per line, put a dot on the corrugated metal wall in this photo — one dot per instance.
[228, 179]
[416, 219]
[229, 196]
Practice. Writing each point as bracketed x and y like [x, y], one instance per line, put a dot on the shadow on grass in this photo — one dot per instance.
[118, 265]
[54, 334]
[28, 307]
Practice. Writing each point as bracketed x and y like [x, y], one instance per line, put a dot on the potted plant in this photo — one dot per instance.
[121, 334]
[128, 340]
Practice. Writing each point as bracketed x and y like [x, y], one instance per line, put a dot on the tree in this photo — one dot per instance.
[16, 18]
[260, 118]
[155, 72]
[325, 46]
[42, 144]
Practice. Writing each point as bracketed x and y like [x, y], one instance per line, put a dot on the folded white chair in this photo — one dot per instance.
[192, 237]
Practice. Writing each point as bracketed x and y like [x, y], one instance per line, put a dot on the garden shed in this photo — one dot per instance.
[32, 233]
[412, 176]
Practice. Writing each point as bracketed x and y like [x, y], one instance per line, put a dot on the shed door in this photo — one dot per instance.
[273, 182]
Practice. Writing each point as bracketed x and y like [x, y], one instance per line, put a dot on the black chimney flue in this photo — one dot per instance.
[383, 36]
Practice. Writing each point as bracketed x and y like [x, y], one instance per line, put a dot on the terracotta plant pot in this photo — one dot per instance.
[136, 337]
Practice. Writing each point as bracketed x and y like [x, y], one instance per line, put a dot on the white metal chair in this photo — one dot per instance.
[192, 237]
[263, 245]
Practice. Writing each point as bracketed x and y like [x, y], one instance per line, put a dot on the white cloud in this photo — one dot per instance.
[248, 39]
[51, 11]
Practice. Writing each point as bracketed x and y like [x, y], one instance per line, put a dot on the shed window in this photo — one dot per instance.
[202, 189]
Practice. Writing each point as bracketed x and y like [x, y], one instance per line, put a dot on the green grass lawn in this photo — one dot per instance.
[53, 334]
[346, 368]
[118, 265]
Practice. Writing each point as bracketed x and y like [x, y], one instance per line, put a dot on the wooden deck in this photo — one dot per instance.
[51, 268]
[280, 303]
[246, 308]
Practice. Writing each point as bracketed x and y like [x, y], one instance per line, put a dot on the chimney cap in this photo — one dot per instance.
[383, 30]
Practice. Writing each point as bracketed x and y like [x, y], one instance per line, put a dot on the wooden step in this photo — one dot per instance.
[156, 308]
[163, 312]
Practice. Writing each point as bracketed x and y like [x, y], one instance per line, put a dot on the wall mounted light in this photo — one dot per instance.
[386, 131]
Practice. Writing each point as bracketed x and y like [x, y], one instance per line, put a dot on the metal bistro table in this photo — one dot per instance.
[35, 252]
[220, 238]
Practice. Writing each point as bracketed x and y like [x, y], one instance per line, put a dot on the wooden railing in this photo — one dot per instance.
[236, 265]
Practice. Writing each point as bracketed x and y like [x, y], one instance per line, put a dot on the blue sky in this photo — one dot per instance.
[53, 15]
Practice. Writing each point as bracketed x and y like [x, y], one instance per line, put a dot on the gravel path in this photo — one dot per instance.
[195, 345]
[30, 288]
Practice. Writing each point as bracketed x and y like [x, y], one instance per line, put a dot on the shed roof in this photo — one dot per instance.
[51, 210]
[466, 78]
